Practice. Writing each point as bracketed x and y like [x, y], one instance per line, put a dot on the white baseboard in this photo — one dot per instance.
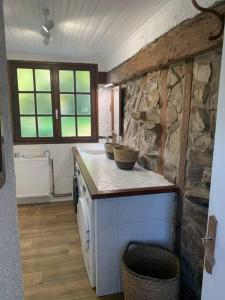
[41, 199]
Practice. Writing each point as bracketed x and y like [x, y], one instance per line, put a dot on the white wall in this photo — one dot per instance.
[104, 113]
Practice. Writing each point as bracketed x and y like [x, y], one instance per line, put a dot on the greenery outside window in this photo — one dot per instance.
[54, 102]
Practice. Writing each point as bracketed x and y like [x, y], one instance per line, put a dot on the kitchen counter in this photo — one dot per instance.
[136, 205]
[105, 180]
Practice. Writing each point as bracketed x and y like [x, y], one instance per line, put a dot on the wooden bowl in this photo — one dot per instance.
[125, 157]
[109, 150]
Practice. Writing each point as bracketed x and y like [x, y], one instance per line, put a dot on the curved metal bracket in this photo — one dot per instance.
[219, 16]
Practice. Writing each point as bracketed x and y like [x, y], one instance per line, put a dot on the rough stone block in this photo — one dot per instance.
[153, 115]
[170, 172]
[195, 173]
[193, 229]
[149, 162]
[197, 191]
[173, 142]
[136, 115]
[200, 120]
[171, 115]
[199, 201]
[173, 77]
[176, 96]
[149, 125]
[197, 158]
[202, 72]
[207, 175]
[153, 98]
[201, 92]
[203, 143]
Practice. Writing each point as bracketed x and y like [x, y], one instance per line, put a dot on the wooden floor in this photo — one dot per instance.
[51, 256]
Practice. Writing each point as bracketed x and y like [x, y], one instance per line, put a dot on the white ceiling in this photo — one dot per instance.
[106, 32]
[85, 30]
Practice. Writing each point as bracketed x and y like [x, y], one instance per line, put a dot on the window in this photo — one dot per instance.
[75, 103]
[54, 102]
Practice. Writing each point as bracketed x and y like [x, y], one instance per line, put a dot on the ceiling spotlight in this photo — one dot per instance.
[45, 33]
[46, 27]
[108, 85]
[46, 41]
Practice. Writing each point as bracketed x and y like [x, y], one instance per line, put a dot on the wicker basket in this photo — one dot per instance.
[150, 273]
[109, 150]
[125, 157]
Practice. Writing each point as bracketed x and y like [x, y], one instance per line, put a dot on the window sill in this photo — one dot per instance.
[51, 141]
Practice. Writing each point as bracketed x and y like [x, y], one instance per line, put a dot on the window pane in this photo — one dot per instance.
[66, 81]
[26, 103]
[83, 81]
[28, 126]
[68, 126]
[83, 105]
[25, 79]
[44, 103]
[84, 126]
[42, 80]
[67, 105]
[45, 127]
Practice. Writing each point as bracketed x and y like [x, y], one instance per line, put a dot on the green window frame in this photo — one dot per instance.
[53, 102]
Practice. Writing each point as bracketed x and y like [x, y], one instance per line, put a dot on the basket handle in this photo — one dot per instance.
[130, 244]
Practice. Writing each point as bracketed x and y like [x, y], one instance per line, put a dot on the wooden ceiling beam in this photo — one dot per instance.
[102, 77]
[185, 41]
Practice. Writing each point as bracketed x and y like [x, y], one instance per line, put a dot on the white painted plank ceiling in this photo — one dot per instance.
[106, 32]
[85, 30]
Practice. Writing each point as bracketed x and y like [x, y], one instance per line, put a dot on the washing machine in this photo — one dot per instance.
[85, 221]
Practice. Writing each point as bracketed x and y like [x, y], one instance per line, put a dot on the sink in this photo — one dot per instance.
[94, 151]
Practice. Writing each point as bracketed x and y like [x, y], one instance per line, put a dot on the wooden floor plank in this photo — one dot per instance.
[52, 262]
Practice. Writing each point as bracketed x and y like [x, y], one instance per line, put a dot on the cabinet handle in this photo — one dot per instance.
[209, 244]
[206, 239]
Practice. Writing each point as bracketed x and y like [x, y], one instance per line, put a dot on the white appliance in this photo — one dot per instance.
[32, 176]
[85, 222]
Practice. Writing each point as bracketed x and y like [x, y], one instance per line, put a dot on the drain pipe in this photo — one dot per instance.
[47, 153]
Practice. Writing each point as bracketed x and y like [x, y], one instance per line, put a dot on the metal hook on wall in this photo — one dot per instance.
[219, 16]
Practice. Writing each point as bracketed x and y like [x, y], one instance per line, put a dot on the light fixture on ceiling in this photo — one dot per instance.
[46, 41]
[46, 27]
[108, 85]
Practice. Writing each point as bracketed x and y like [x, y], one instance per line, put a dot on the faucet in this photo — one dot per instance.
[46, 151]
[105, 137]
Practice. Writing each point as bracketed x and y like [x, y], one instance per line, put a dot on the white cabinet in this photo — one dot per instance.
[120, 220]
[113, 222]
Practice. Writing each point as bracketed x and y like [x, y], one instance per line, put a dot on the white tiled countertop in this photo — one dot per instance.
[107, 176]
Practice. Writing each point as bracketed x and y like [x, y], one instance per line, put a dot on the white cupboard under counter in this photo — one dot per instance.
[115, 207]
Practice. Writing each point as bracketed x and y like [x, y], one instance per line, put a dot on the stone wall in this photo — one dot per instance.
[202, 125]
[175, 85]
[199, 162]
[142, 118]
[143, 129]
